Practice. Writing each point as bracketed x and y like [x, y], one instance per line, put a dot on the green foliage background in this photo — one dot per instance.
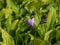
[15, 31]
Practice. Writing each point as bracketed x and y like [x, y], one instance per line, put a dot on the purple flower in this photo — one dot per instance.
[31, 21]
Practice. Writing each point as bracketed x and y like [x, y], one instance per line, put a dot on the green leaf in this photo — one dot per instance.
[8, 23]
[58, 35]
[51, 17]
[45, 2]
[37, 19]
[37, 41]
[7, 12]
[10, 4]
[47, 34]
[7, 39]
[13, 25]
[52, 35]
[32, 37]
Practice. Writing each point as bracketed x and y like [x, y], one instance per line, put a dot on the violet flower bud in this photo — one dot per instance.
[31, 22]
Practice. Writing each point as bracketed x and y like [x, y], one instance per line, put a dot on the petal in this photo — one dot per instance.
[31, 22]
